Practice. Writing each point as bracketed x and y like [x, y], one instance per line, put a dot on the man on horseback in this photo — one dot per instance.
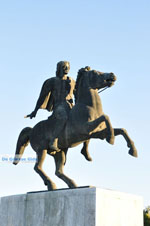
[56, 95]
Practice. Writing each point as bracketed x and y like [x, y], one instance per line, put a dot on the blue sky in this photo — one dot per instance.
[106, 35]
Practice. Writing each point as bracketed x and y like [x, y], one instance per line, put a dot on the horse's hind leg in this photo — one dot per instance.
[60, 159]
[130, 143]
[85, 152]
[38, 168]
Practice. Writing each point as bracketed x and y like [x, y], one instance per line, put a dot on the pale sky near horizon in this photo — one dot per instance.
[107, 36]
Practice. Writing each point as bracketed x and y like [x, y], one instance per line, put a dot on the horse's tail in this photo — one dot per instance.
[22, 142]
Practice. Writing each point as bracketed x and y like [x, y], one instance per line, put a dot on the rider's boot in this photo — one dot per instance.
[53, 145]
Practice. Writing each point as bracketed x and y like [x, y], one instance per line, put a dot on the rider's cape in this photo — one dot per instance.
[46, 95]
[48, 102]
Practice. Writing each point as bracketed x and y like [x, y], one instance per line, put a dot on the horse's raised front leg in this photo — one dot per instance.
[130, 143]
[103, 134]
[60, 159]
[85, 152]
[38, 168]
[90, 126]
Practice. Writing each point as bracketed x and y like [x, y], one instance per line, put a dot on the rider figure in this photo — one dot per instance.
[56, 95]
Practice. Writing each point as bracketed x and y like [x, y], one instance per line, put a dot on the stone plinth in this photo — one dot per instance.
[72, 207]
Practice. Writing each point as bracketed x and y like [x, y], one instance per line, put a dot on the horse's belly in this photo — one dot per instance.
[40, 136]
[71, 139]
[74, 132]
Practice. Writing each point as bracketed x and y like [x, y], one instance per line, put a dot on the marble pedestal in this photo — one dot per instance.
[72, 207]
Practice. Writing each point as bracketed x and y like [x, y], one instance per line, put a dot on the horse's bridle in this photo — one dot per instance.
[103, 89]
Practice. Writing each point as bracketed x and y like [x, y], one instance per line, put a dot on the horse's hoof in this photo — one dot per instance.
[133, 152]
[88, 158]
[86, 155]
[72, 184]
[51, 186]
[110, 139]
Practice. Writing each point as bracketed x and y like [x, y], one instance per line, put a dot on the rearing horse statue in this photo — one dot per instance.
[86, 120]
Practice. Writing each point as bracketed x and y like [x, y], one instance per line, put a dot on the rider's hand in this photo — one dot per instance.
[32, 115]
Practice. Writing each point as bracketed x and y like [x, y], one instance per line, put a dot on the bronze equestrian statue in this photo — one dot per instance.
[57, 96]
[85, 120]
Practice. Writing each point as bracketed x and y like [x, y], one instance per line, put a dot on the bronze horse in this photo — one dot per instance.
[86, 120]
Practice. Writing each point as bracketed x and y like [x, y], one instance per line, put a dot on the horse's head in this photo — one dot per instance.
[92, 79]
[98, 80]
[95, 79]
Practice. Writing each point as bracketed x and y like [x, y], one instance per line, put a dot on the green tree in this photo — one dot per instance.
[147, 216]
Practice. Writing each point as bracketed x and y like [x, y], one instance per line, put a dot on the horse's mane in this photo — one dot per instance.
[79, 76]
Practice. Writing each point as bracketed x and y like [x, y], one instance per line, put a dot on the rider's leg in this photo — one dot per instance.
[61, 116]
[53, 144]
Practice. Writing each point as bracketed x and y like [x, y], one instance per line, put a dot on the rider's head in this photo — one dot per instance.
[63, 68]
